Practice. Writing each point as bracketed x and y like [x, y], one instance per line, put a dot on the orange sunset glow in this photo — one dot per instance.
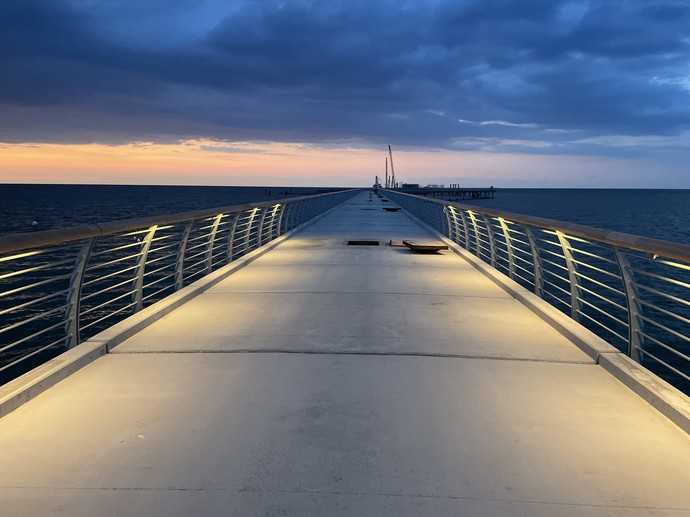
[214, 162]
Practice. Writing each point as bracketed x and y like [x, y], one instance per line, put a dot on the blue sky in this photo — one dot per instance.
[607, 81]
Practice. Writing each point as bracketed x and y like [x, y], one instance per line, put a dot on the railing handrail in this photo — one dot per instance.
[59, 287]
[617, 285]
[15, 242]
[659, 247]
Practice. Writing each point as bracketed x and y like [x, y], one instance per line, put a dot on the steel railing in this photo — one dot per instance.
[59, 287]
[632, 291]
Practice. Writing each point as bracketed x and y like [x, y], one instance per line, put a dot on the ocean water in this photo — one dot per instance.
[662, 214]
[26, 208]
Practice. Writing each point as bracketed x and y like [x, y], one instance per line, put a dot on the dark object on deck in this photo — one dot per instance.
[391, 208]
[363, 243]
[425, 247]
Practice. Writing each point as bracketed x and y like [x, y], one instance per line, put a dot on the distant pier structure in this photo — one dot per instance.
[449, 193]
[452, 192]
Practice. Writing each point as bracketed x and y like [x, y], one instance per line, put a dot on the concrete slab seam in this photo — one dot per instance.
[661, 395]
[31, 384]
[354, 352]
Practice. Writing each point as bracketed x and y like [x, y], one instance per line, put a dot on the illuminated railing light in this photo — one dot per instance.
[20, 255]
[650, 294]
[90, 264]
[678, 265]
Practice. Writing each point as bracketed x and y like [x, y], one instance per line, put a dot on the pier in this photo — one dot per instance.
[305, 375]
[451, 193]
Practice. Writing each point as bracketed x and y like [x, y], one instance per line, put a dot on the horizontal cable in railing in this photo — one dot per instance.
[62, 286]
[631, 290]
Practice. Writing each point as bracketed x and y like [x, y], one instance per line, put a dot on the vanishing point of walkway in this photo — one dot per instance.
[331, 380]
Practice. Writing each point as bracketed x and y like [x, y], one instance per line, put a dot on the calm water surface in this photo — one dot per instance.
[26, 208]
[663, 214]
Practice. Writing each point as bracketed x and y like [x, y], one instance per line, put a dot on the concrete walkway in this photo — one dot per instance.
[317, 381]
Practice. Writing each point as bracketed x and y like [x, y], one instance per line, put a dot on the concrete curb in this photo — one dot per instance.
[28, 386]
[668, 400]
[126, 328]
[22, 389]
[586, 340]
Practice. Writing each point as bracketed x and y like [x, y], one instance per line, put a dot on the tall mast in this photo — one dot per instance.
[392, 168]
[386, 171]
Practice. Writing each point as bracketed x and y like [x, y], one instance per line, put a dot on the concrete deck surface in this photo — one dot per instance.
[316, 381]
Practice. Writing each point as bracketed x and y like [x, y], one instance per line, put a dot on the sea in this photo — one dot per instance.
[30, 208]
[663, 214]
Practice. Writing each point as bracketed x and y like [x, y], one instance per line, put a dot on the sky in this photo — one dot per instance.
[522, 93]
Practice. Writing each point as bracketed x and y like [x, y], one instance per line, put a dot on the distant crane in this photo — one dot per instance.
[387, 184]
[390, 153]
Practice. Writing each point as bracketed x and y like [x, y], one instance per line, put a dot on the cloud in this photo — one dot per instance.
[504, 145]
[649, 141]
[505, 123]
[412, 73]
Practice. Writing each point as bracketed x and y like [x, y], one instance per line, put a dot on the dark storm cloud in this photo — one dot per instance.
[437, 73]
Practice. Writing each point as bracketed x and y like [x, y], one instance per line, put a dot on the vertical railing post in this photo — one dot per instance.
[262, 220]
[248, 233]
[211, 240]
[536, 263]
[446, 211]
[509, 246]
[465, 229]
[181, 252]
[440, 212]
[492, 242]
[285, 217]
[634, 308]
[289, 217]
[74, 294]
[141, 266]
[572, 276]
[231, 237]
[281, 218]
[272, 226]
[476, 233]
[299, 213]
